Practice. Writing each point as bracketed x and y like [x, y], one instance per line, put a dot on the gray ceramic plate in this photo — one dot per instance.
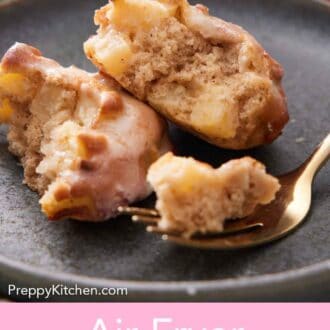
[35, 252]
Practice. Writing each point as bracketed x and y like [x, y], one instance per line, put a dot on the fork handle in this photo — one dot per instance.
[319, 158]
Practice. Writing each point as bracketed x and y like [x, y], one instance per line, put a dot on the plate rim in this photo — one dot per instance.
[314, 277]
[291, 283]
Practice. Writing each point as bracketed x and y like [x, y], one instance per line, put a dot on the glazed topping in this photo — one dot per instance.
[97, 142]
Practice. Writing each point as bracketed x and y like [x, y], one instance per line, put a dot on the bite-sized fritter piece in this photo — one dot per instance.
[85, 145]
[209, 76]
[193, 197]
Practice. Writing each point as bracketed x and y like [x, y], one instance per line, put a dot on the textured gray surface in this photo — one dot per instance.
[297, 35]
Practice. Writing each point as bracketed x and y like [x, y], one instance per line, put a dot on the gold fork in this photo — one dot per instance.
[268, 223]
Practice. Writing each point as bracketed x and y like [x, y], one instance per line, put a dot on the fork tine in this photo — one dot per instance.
[156, 230]
[164, 233]
[145, 219]
[233, 231]
[138, 211]
[227, 240]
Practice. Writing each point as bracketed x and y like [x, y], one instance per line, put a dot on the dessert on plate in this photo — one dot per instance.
[209, 76]
[84, 143]
[193, 197]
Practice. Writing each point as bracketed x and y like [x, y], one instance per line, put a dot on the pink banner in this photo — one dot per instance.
[202, 316]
